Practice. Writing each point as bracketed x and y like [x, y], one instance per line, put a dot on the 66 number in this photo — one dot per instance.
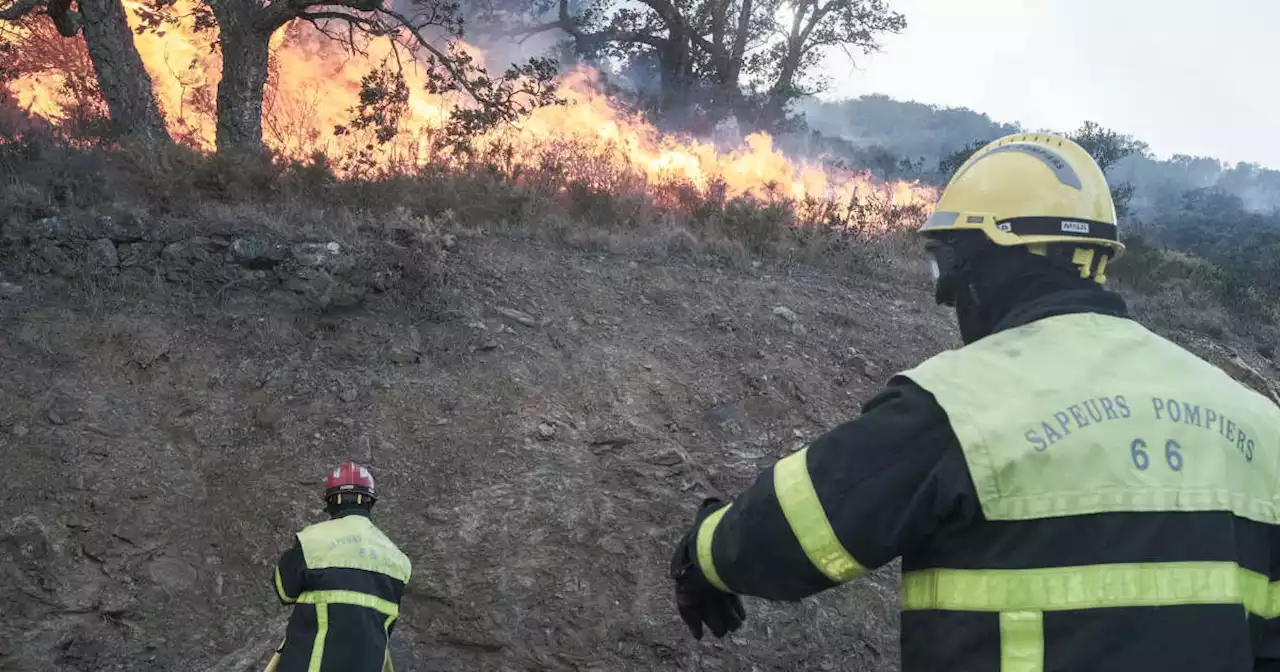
[1141, 460]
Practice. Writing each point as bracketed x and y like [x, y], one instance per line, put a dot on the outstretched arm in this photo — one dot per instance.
[853, 500]
[290, 571]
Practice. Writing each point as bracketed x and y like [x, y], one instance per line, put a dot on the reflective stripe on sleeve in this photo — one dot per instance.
[706, 560]
[794, 489]
[280, 589]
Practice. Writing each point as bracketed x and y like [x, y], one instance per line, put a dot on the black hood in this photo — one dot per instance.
[1010, 287]
[349, 509]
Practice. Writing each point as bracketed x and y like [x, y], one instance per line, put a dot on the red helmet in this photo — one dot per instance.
[349, 477]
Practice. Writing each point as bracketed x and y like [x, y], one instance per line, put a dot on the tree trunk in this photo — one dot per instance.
[783, 90]
[676, 64]
[122, 77]
[245, 56]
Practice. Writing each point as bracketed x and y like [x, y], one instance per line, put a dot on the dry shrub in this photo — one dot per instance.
[1181, 309]
[23, 198]
[1179, 290]
[581, 194]
[1149, 269]
[66, 176]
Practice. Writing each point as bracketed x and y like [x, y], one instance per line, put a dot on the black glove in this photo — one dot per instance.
[696, 599]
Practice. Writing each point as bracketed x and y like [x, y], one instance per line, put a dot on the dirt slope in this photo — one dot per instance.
[542, 420]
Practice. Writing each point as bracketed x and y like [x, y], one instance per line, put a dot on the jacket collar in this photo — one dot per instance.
[1065, 302]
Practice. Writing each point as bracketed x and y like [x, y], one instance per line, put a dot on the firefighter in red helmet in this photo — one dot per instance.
[344, 578]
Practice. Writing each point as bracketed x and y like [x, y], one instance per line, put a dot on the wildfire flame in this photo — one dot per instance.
[315, 83]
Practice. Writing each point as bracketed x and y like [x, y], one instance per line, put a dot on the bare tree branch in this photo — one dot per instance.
[330, 15]
[351, 22]
[444, 60]
[819, 13]
[742, 33]
[564, 22]
[66, 21]
[664, 8]
[20, 9]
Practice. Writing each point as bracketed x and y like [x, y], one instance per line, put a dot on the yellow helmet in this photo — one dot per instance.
[1033, 189]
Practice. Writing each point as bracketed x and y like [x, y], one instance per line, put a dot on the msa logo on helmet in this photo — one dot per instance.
[1075, 227]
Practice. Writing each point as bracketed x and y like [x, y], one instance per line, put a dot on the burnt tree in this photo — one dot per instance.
[245, 28]
[748, 58]
[122, 76]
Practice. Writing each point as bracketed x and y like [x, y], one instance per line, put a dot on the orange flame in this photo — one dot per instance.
[315, 83]
[53, 81]
[38, 97]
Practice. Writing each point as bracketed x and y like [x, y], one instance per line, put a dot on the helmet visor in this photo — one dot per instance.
[942, 258]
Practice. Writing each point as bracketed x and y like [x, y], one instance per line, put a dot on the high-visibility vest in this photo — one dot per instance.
[1085, 414]
[353, 542]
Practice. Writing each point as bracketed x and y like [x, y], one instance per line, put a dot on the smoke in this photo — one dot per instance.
[1160, 183]
[875, 129]
[926, 133]
[488, 25]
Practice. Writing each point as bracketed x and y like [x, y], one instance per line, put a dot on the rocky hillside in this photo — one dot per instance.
[542, 414]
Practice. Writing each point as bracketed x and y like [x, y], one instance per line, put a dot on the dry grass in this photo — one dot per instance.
[613, 210]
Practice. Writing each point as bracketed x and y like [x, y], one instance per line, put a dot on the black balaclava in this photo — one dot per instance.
[349, 507]
[969, 316]
[987, 282]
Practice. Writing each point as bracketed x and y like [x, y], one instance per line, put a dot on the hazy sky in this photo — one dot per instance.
[1187, 76]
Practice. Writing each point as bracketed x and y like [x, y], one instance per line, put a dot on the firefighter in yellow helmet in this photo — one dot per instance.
[1068, 491]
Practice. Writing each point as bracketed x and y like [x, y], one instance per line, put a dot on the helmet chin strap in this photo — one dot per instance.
[969, 315]
[956, 289]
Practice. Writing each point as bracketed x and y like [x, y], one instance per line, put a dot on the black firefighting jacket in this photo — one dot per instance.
[345, 580]
[896, 482]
